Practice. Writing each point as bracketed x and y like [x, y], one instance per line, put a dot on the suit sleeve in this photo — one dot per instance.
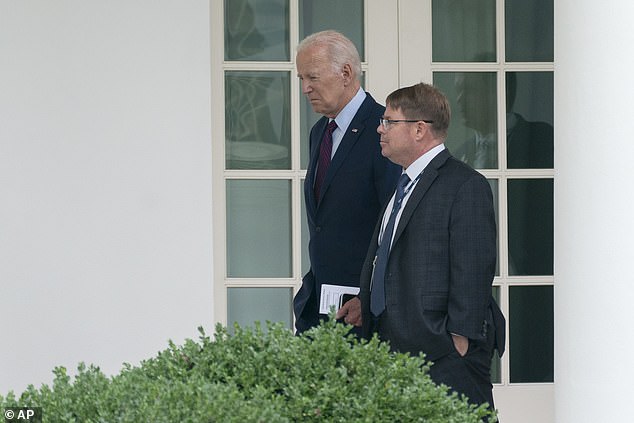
[472, 252]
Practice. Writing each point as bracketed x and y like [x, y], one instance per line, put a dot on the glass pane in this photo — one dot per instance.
[257, 120]
[258, 228]
[529, 30]
[343, 16]
[531, 333]
[249, 305]
[496, 365]
[307, 118]
[530, 215]
[463, 31]
[257, 30]
[493, 183]
[529, 124]
[472, 134]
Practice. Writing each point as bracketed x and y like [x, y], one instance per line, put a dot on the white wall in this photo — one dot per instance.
[105, 182]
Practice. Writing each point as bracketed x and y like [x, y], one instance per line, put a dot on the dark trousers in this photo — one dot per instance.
[469, 375]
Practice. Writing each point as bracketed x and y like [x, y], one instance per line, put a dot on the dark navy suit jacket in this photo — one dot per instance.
[357, 185]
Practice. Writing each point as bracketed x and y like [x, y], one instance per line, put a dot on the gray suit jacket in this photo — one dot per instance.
[441, 265]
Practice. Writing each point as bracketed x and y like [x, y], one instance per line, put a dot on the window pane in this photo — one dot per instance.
[463, 31]
[258, 228]
[529, 125]
[343, 16]
[530, 215]
[496, 365]
[529, 30]
[249, 305]
[257, 120]
[472, 134]
[531, 333]
[257, 30]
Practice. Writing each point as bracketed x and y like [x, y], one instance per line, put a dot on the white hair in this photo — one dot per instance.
[340, 50]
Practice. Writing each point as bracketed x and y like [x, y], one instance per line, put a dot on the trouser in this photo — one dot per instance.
[469, 375]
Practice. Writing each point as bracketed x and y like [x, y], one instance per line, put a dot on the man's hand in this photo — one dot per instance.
[461, 343]
[350, 312]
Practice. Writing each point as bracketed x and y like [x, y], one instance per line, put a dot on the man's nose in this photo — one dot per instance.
[306, 88]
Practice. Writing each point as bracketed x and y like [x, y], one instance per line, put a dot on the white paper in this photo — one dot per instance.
[331, 296]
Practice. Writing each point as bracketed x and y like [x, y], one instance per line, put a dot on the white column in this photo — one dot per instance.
[594, 211]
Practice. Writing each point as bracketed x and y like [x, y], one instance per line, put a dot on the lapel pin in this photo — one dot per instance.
[355, 130]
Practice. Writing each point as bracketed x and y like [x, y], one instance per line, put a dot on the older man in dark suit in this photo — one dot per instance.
[348, 181]
[426, 281]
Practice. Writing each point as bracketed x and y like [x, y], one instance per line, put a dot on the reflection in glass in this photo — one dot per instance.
[249, 305]
[343, 16]
[462, 29]
[472, 135]
[257, 120]
[529, 130]
[530, 220]
[257, 30]
[496, 365]
[529, 30]
[531, 333]
[258, 228]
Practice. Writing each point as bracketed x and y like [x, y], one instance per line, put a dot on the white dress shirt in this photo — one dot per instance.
[344, 118]
[413, 171]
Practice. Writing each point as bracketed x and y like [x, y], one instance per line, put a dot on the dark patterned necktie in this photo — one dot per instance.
[377, 293]
[325, 151]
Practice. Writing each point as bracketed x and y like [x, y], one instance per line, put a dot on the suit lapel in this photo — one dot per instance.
[426, 180]
[316, 136]
[347, 142]
[354, 131]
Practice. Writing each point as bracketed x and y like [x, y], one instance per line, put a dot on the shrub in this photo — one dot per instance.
[256, 375]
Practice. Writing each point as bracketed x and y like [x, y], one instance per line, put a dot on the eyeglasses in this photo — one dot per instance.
[387, 122]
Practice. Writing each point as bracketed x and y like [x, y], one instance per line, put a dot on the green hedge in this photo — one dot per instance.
[256, 375]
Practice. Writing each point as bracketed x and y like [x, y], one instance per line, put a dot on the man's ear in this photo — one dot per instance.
[346, 72]
[421, 129]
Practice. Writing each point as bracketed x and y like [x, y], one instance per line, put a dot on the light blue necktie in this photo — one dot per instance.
[377, 294]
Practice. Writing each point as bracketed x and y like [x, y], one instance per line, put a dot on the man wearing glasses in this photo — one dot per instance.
[426, 281]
